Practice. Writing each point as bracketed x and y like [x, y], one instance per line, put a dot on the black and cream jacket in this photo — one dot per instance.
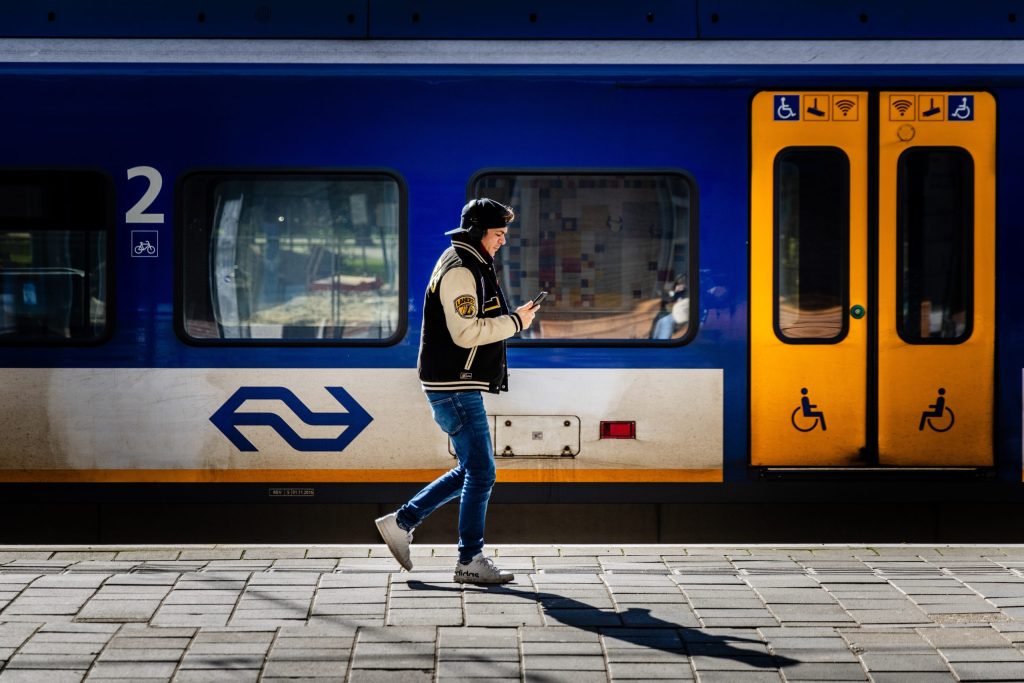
[465, 323]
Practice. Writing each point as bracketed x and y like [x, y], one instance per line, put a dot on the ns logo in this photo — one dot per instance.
[227, 419]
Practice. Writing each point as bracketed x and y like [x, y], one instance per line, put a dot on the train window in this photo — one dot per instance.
[613, 250]
[812, 221]
[55, 235]
[309, 258]
[935, 234]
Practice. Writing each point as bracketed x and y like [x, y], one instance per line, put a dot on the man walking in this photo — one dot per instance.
[466, 321]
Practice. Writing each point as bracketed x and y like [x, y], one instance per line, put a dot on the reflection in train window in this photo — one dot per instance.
[935, 219]
[812, 222]
[613, 251]
[302, 258]
[55, 230]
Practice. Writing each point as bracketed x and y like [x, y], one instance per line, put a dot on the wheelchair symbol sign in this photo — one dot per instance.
[961, 108]
[787, 108]
[808, 418]
[939, 417]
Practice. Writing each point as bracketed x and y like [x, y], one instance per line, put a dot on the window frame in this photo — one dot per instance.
[692, 262]
[270, 173]
[845, 241]
[110, 221]
[970, 259]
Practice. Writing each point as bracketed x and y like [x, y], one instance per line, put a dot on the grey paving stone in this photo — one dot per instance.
[563, 663]
[118, 610]
[307, 669]
[832, 671]
[647, 656]
[238, 648]
[155, 554]
[221, 661]
[580, 648]
[41, 676]
[208, 676]
[447, 670]
[36, 647]
[650, 672]
[140, 655]
[877, 661]
[987, 671]
[816, 655]
[889, 616]
[50, 661]
[830, 614]
[984, 654]
[393, 661]
[478, 654]
[732, 663]
[887, 640]
[905, 677]
[739, 677]
[211, 554]
[309, 654]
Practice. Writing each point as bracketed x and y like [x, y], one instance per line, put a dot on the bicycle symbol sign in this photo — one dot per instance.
[145, 243]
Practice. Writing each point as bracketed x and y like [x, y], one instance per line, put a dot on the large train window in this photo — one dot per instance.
[935, 236]
[56, 230]
[614, 250]
[308, 258]
[811, 237]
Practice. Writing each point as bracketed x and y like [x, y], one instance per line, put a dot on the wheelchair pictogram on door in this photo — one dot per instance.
[939, 412]
[805, 418]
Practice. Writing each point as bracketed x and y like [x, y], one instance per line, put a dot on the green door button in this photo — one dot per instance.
[857, 312]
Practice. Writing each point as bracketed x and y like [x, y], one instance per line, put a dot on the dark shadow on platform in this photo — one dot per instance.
[636, 626]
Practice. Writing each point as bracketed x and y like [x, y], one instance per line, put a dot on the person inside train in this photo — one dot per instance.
[466, 321]
[678, 317]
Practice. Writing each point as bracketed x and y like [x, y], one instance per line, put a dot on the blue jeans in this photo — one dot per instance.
[462, 416]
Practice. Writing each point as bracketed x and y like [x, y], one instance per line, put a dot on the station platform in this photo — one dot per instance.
[574, 613]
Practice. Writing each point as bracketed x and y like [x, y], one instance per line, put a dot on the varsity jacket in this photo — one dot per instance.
[465, 323]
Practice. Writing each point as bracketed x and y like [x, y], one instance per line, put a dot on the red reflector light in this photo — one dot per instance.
[618, 430]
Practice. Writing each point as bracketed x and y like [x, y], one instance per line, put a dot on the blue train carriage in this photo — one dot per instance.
[213, 262]
[193, 300]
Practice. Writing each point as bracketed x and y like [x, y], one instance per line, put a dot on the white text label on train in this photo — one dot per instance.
[227, 419]
[137, 214]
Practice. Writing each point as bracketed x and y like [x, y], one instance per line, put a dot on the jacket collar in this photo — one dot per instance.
[465, 244]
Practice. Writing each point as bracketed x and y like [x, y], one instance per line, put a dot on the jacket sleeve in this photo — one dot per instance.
[458, 296]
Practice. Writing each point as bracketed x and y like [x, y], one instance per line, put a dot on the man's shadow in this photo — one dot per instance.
[636, 626]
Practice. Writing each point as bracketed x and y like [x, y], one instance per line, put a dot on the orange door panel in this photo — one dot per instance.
[808, 250]
[936, 278]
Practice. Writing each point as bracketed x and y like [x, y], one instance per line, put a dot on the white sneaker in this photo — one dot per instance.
[397, 538]
[480, 570]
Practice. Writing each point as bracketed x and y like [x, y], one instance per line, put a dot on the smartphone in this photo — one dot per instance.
[539, 298]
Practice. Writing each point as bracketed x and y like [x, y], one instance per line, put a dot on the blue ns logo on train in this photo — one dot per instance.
[227, 419]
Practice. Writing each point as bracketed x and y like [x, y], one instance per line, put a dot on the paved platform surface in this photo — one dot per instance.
[574, 613]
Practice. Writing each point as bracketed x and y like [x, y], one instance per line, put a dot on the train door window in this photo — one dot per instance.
[935, 235]
[55, 235]
[309, 258]
[614, 250]
[811, 244]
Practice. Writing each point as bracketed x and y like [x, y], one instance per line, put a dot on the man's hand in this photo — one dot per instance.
[526, 313]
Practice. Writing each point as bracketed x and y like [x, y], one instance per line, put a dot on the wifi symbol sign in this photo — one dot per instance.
[902, 106]
[845, 106]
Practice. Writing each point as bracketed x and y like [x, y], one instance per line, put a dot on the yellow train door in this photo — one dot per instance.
[936, 278]
[808, 251]
[911, 382]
